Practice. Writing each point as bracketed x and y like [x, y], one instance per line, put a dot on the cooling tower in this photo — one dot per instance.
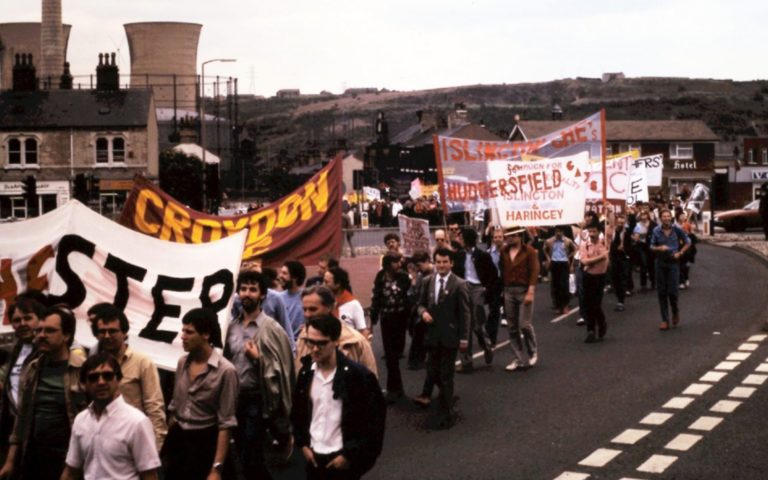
[160, 50]
[51, 61]
[23, 38]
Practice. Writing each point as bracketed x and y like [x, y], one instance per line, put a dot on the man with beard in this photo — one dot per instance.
[25, 314]
[139, 383]
[292, 275]
[110, 439]
[260, 351]
[50, 396]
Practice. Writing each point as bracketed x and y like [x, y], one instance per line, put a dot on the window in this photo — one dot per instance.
[609, 149]
[628, 147]
[110, 149]
[22, 151]
[751, 156]
[680, 151]
[765, 156]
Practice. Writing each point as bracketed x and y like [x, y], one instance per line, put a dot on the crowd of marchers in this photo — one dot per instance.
[296, 368]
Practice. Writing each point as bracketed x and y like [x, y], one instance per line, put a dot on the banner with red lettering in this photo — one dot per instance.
[301, 226]
[80, 259]
[463, 165]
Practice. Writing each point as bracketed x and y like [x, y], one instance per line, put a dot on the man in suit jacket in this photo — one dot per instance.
[476, 267]
[445, 308]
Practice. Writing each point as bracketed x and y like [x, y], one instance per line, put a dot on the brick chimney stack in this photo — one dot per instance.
[107, 73]
[51, 44]
[24, 74]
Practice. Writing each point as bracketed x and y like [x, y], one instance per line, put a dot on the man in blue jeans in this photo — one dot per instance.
[669, 242]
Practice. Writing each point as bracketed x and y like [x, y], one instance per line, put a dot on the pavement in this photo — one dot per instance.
[749, 241]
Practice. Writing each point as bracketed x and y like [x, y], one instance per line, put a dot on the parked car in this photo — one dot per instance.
[740, 219]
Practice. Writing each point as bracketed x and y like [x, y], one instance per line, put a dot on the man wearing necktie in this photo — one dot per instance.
[445, 309]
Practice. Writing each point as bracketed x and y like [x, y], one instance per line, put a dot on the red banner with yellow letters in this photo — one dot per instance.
[301, 226]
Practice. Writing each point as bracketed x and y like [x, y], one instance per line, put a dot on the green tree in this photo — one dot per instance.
[181, 176]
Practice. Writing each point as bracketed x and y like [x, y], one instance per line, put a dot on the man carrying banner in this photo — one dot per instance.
[476, 268]
[520, 273]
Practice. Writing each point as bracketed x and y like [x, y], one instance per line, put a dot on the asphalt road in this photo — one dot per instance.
[562, 418]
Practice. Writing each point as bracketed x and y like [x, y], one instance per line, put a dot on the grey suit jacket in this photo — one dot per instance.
[451, 315]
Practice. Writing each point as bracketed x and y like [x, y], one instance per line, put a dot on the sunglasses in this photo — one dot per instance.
[95, 376]
[317, 343]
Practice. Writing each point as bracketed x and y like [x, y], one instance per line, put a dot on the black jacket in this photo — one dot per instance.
[363, 411]
[486, 271]
[403, 283]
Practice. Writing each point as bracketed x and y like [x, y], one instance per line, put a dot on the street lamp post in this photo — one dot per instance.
[202, 125]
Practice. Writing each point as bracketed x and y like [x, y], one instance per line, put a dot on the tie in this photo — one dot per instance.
[441, 290]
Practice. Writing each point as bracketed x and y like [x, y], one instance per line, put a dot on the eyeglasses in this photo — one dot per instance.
[316, 343]
[108, 331]
[95, 376]
[46, 330]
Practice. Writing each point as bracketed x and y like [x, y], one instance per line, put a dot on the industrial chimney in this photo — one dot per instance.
[51, 44]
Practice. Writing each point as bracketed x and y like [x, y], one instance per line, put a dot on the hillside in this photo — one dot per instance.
[315, 123]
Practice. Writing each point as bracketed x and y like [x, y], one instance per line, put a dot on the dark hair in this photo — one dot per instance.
[326, 295]
[97, 360]
[270, 274]
[328, 325]
[35, 295]
[297, 271]
[420, 256]
[389, 258]
[662, 210]
[391, 236]
[469, 235]
[98, 307]
[108, 313]
[27, 305]
[205, 322]
[443, 252]
[341, 277]
[68, 321]
[251, 277]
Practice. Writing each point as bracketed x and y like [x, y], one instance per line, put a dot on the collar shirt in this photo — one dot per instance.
[470, 274]
[325, 429]
[209, 400]
[558, 251]
[437, 284]
[496, 257]
[15, 374]
[237, 336]
[352, 314]
[140, 388]
[295, 310]
[116, 445]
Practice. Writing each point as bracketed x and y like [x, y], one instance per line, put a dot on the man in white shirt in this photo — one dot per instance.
[110, 439]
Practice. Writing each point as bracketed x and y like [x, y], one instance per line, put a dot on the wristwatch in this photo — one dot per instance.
[219, 467]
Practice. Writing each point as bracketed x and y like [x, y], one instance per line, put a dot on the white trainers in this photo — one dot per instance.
[512, 366]
[533, 359]
[504, 322]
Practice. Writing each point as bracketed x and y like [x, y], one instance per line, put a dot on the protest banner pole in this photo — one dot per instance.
[603, 148]
[440, 183]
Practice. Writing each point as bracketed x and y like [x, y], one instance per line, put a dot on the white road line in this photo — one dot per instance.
[657, 463]
[600, 457]
[678, 403]
[712, 376]
[481, 353]
[755, 379]
[705, 424]
[748, 347]
[628, 478]
[725, 406]
[697, 389]
[739, 356]
[727, 365]
[757, 338]
[630, 436]
[742, 392]
[564, 316]
[763, 367]
[572, 476]
[656, 418]
[683, 442]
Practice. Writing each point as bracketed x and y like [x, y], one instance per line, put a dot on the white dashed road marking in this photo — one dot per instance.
[678, 403]
[757, 338]
[763, 367]
[697, 389]
[727, 365]
[739, 356]
[657, 463]
[725, 406]
[755, 379]
[706, 424]
[742, 392]
[748, 347]
[600, 457]
[631, 436]
[572, 476]
[656, 418]
[712, 376]
[683, 442]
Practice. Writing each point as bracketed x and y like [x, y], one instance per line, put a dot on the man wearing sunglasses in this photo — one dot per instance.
[50, 396]
[338, 411]
[140, 382]
[110, 439]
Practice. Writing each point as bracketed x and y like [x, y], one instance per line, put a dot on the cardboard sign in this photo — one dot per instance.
[415, 236]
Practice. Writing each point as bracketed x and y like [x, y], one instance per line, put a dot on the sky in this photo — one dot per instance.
[419, 44]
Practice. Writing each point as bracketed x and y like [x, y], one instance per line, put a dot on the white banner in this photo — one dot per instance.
[415, 235]
[637, 187]
[372, 193]
[617, 172]
[537, 193]
[654, 166]
[415, 191]
[81, 258]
